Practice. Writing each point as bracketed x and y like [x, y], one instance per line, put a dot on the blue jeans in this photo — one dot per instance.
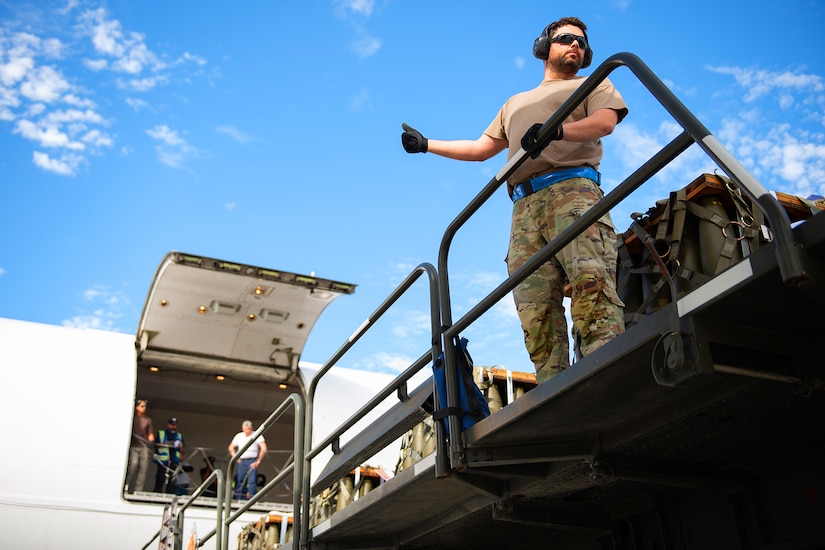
[246, 479]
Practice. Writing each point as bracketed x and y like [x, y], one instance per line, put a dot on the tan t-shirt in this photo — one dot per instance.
[537, 105]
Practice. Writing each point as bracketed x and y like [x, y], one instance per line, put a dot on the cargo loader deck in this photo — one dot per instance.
[603, 443]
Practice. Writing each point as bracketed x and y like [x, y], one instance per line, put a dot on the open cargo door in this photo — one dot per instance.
[216, 316]
[219, 343]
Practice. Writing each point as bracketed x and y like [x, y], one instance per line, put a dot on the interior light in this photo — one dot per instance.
[220, 377]
[154, 369]
[163, 303]
[262, 290]
[282, 386]
[202, 309]
[251, 316]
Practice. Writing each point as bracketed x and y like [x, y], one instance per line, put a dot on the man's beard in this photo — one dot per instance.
[566, 66]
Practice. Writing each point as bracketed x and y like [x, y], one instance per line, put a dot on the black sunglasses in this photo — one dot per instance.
[568, 39]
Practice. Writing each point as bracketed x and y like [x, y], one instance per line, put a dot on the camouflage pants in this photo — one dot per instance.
[588, 263]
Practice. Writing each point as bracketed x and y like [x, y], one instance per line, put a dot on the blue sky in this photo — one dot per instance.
[268, 133]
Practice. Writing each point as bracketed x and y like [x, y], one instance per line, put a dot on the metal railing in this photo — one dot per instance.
[296, 468]
[223, 508]
[788, 252]
[397, 385]
[216, 475]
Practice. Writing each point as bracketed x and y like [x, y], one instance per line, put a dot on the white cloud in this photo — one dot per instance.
[760, 82]
[141, 84]
[355, 12]
[482, 280]
[366, 46]
[53, 48]
[506, 309]
[106, 35]
[72, 115]
[635, 146]
[46, 137]
[66, 165]
[415, 323]
[385, 362]
[8, 101]
[106, 309]
[43, 84]
[136, 104]
[775, 145]
[127, 50]
[800, 163]
[28, 93]
[95, 65]
[166, 134]
[360, 7]
[235, 134]
[196, 59]
[173, 150]
[79, 102]
[123, 51]
[134, 61]
[97, 138]
[359, 101]
[17, 66]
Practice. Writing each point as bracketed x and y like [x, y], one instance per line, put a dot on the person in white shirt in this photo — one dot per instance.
[246, 477]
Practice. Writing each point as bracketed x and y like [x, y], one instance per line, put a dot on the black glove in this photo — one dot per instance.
[529, 143]
[412, 140]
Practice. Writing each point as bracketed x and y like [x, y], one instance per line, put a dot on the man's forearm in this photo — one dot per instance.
[465, 149]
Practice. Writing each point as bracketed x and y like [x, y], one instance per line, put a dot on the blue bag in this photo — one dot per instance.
[472, 403]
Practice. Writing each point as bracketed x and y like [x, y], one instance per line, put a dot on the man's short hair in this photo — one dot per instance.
[575, 21]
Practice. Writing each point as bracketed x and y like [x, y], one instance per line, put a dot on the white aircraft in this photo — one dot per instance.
[218, 343]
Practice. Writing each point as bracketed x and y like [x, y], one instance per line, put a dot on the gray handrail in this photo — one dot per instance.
[394, 386]
[215, 475]
[788, 252]
[296, 467]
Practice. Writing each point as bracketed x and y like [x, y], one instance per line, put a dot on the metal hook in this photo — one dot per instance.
[725, 233]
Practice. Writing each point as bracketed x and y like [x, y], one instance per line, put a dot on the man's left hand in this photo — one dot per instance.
[530, 140]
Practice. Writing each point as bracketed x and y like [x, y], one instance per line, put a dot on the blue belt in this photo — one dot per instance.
[529, 187]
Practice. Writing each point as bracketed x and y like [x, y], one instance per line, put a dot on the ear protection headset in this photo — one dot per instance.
[541, 47]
